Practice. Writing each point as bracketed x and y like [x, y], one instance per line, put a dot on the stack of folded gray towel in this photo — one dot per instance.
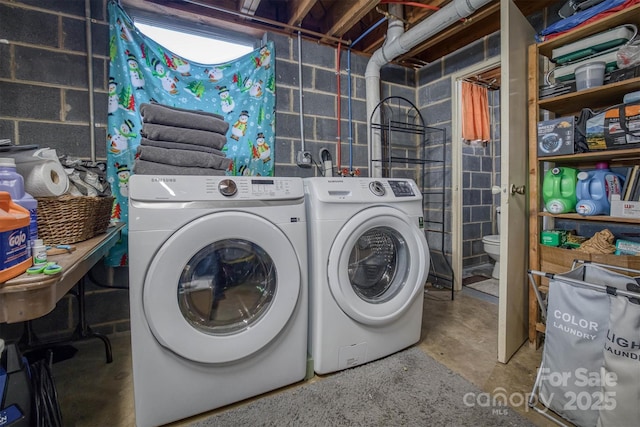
[177, 141]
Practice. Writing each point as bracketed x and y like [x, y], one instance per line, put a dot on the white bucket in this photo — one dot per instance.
[590, 75]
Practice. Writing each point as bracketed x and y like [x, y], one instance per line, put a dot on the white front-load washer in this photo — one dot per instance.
[218, 291]
[368, 263]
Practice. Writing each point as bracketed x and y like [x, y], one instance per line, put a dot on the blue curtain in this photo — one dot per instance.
[142, 71]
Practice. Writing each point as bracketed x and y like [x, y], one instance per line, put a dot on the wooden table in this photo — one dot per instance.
[29, 296]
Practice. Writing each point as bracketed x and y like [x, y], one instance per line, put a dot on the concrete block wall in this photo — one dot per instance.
[320, 107]
[434, 100]
[320, 104]
[477, 179]
[433, 85]
[44, 100]
[44, 74]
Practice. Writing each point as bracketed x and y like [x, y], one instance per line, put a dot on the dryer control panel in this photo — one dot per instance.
[401, 188]
[362, 190]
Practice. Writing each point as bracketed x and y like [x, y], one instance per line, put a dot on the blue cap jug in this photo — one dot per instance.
[594, 190]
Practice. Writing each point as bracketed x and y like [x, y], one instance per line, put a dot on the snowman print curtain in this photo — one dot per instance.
[141, 71]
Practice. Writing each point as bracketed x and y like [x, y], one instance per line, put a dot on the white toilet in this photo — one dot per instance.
[492, 247]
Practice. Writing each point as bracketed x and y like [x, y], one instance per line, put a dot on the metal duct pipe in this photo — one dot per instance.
[396, 45]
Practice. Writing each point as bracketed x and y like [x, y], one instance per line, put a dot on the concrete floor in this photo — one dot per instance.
[461, 334]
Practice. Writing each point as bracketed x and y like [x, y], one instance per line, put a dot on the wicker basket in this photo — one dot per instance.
[71, 219]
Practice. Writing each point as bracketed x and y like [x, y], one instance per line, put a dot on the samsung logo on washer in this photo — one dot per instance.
[163, 180]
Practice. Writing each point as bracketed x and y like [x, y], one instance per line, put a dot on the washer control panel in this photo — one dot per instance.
[203, 188]
[255, 188]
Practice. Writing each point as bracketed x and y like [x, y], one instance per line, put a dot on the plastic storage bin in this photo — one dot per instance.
[591, 45]
[590, 75]
[566, 73]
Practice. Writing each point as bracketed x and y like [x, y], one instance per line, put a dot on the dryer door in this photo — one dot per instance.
[222, 287]
[377, 265]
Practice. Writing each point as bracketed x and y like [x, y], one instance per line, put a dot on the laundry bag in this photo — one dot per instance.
[621, 370]
[577, 321]
[576, 380]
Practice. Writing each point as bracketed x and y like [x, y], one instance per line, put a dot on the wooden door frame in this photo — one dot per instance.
[456, 163]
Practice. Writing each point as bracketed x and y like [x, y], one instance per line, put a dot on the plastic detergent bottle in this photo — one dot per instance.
[13, 183]
[559, 190]
[14, 231]
[594, 190]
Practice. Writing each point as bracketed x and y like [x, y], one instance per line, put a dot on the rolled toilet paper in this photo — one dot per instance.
[45, 179]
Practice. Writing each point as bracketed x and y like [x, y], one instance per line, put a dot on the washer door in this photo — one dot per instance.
[377, 265]
[221, 287]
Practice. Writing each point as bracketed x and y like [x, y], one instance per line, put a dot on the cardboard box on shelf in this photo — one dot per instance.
[624, 208]
[617, 127]
[627, 247]
[553, 237]
[556, 136]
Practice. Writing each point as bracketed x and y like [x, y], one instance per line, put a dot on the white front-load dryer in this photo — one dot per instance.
[368, 263]
[218, 291]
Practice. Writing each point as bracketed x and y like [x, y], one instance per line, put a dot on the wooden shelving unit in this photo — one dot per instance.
[597, 218]
[594, 97]
[563, 105]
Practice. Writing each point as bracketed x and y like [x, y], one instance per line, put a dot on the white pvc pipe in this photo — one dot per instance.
[396, 26]
[394, 30]
[397, 45]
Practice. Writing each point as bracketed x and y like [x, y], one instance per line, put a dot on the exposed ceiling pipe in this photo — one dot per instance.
[397, 45]
[394, 30]
[268, 22]
[350, 98]
[396, 26]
